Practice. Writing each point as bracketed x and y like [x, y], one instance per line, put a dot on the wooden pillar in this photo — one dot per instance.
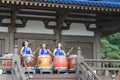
[96, 45]
[59, 24]
[11, 39]
[12, 28]
[58, 33]
[96, 49]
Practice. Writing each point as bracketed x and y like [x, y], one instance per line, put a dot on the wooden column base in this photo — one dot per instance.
[118, 76]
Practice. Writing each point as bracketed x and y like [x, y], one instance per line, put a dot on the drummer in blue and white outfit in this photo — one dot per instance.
[58, 51]
[44, 50]
[25, 50]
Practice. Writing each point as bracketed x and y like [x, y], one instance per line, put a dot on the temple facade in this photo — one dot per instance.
[74, 23]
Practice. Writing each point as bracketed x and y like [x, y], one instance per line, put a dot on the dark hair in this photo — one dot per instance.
[45, 47]
[23, 43]
[57, 45]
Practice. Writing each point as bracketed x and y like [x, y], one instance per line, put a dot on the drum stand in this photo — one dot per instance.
[29, 70]
[46, 71]
[72, 71]
[62, 71]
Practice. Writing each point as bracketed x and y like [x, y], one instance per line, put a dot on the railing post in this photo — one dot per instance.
[15, 49]
[107, 73]
[80, 59]
[15, 57]
[118, 76]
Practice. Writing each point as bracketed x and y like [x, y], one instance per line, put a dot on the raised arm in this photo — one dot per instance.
[21, 50]
[49, 52]
[40, 52]
[64, 53]
[30, 51]
[54, 52]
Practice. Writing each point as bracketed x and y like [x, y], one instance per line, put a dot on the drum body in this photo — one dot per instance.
[44, 61]
[60, 62]
[7, 63]
[72, 62]
[28, 61]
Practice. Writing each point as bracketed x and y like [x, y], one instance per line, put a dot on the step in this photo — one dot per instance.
[53, 76]
[105, 78]
[6, 77]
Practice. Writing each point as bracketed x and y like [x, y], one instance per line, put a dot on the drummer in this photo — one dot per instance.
[25, 50]
[58, 51]
[44, 50]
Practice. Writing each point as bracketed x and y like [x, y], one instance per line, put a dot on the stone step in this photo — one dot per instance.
[6, 77]
[50, 77]
[53, 76]
[105, 78]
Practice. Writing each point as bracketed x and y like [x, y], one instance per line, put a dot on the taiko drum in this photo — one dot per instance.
[28, 61]
[72, 62]
[60, 62]
[7, 62]
[44, 61]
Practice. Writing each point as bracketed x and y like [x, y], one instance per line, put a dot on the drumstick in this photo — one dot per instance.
[70, 50]
[37, 49]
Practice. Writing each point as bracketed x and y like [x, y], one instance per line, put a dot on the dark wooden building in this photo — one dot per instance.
[73, 22]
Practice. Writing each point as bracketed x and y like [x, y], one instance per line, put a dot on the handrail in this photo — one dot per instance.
[3, 58]
[107, 67]
[102, 65]
[18, 71]
[92, 74]
[100, 60]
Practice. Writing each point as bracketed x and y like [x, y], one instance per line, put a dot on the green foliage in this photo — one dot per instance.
[110, 46]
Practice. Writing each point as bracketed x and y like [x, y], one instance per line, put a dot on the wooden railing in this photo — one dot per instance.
[104, 67]
[84, 71]
[17, 71]
[13, 66]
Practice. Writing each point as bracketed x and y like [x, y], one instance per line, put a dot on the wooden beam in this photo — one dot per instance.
[8, 24]
[39, 12]
[48, 26]
[107, 33]
[24, 21]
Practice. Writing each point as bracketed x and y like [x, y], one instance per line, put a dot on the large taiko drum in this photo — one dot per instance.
[28, 61]
[72, 62]
[7, 62]
[44, 61]
[60, 62]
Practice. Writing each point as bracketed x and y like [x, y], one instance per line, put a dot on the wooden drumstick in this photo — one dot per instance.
[37, 49]
[70, 50]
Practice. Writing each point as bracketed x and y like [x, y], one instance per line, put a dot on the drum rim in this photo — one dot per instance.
[72, 56]
[59, 56]
[44, 56]
[61, 67]
[44, 67]
[31, 55]
[28, 67]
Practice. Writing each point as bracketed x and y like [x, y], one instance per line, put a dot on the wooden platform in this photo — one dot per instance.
[106, 78]
[53, 76]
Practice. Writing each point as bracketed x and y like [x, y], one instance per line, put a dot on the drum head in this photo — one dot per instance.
[60, 56]
[28, 59]
[24, 55]
[44, 56]
[72, 56]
